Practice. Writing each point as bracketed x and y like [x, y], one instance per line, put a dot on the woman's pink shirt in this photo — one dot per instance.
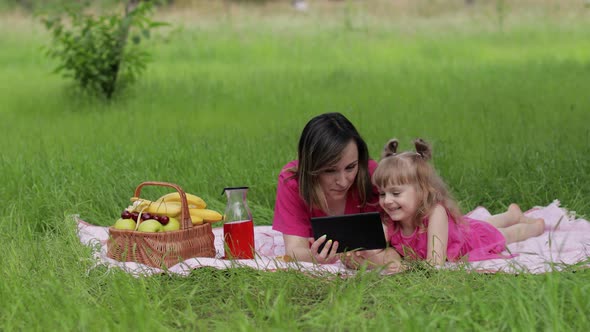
[292, 215]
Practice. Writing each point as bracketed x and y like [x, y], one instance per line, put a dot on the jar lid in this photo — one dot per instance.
[232, 188]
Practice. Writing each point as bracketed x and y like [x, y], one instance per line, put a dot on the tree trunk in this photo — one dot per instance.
[109, 87]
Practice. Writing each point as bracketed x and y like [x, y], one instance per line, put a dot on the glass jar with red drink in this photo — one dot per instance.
[238, 227]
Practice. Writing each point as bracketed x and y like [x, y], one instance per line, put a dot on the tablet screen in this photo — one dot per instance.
[352, 231]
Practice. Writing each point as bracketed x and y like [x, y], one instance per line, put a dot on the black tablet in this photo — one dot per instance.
[352, 231]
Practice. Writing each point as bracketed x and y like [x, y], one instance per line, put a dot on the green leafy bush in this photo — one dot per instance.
[36, 6]
[94, 49]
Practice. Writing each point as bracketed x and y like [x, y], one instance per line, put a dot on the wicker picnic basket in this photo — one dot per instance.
[162, 248]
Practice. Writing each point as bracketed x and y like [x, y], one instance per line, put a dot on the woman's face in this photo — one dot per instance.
[338, 178]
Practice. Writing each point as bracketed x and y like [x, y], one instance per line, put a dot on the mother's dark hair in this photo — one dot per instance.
[321, 144]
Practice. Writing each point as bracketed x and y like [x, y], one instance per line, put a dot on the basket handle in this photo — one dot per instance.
[185, 219]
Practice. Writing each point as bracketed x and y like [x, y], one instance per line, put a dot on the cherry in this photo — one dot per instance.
[126, 215]
[146, 216]
[134, 215]
[164, 220]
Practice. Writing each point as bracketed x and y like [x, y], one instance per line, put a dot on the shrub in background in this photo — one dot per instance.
[93, 49]
[40, 5]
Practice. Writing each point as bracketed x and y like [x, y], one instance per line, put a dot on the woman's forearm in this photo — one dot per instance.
[300, 254]
[297, 248]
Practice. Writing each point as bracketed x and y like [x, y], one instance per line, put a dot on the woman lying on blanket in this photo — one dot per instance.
[332, 176]
[424, 222]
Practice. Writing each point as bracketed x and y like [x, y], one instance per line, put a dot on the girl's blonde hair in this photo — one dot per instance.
[413, 168]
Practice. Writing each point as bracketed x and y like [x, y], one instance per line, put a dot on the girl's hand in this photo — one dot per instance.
[328, 253]
[354, 259]
[388, 259]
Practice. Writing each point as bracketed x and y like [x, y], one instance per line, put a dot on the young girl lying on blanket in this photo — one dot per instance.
[422, 220]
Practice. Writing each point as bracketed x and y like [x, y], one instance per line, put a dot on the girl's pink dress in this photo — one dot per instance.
[472, 239]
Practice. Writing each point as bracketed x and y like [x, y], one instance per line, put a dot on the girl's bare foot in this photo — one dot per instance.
[524, 230]
[539, 225]
[510, 217]
[522, 219]
[539, 222]
[514, 212]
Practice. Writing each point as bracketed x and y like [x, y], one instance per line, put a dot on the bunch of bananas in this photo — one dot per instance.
[169, 205]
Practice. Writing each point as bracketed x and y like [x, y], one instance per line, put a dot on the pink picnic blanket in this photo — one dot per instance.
[566, 241]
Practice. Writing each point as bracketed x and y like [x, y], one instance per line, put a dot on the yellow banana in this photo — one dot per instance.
[170, 209]
[196, 220]
[206, 214]
[192, 200]
[138, 204]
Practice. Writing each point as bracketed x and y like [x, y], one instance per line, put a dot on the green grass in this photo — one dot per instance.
[223, 104]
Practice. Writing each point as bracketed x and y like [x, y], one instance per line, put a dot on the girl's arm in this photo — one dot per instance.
[438, 236]
[388, 258]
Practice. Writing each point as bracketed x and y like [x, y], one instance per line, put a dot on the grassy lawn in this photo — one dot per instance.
[502, 92]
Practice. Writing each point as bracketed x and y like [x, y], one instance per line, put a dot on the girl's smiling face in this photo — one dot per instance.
[337, 179]
[400, 202]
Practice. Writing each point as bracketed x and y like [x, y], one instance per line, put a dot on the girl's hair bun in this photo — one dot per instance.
[423, 148]
[390, 148]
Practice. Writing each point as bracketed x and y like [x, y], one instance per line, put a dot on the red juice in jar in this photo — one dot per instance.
[238, 228]
[238, 237]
